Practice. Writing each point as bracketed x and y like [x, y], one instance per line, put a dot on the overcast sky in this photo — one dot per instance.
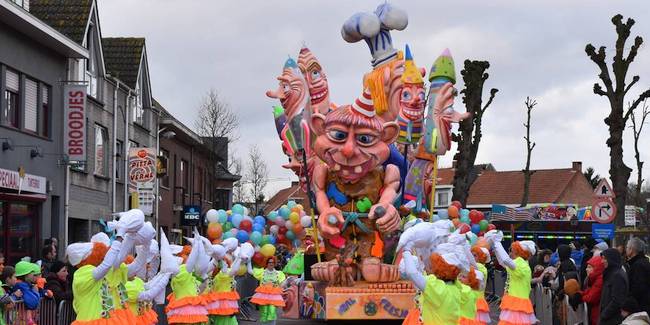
[537, 50]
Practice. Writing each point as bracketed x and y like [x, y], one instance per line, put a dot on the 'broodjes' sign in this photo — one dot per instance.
[74, 106]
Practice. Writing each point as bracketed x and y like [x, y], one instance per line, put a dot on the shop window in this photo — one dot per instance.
[18, 226]
[101, 147]
[12, 98]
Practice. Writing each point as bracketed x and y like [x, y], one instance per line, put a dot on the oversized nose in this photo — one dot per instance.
[348, 147]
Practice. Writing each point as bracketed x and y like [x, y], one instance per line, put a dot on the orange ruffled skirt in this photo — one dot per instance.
[116, 317]
[188, 310]
[149, 317]
[222, 303]
[516, 311]
[268, 295]
[468, 321]
[482, 311]
[413, 317]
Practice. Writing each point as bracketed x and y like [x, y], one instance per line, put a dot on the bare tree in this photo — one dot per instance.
[257, 175]
[592, 177]
[469, 136]
[238, 193]
[216, 119]
[615, 91]
[637, 128]
[530, 104]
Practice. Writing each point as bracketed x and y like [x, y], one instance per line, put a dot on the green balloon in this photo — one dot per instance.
[227, 226]
[266, 239]
[483, 224]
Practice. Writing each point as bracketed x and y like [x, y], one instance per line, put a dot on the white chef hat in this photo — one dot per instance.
[101, 237]
[153, 250]
[168, 262]
[528, 245]
[77, 252]
[453, 255]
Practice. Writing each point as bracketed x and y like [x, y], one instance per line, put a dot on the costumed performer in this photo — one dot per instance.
[516, 307]
[141, 294]
[268, 294]
[482, 257]
[222, 297]
[93, 302]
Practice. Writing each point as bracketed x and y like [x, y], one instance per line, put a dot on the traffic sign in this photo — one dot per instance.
[604, 189]
[603, 210]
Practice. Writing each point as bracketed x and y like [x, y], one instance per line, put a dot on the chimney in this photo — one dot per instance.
[577, 166]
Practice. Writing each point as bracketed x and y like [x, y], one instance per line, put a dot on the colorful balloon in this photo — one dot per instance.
[294, 217]
[456, 222]
[272, 215]
[483, 224]
[226, 226]
[284, 212]
[453, 211]
[297, 229]
[279, 222]
[246, 225]
[266, 239]
[305, 221]
[214, 231]
[258, 259]
[443, 214]
[464, 213]
[291, 204]
[258, 227]
[465, 219]
[288, 224]
[237, 219]
[463, 228]
[212, 215]
[471, 237]
[238, 209]
[283, 230]
[475, 216]
[256, 237]
[267, 250]
[259, 219]
[457, 204]
[476, 228]
[274, 229]
[242, 236]
[290, 235]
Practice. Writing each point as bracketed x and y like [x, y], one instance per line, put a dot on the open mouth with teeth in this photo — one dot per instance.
[351, 173]
[318, 94]
[413, 113]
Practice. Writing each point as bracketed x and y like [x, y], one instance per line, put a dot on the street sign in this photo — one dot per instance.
[191, 215]
[630, 215]
[604, 189]
[602, 231]
[603, 210]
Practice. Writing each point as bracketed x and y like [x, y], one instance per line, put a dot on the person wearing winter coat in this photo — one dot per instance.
[638, 267]
[615, 288]
[593, 289]
[633, 314]
[57, 282]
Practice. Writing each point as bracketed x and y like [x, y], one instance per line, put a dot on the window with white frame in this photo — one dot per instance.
[443, 197]
[101, 150]
[91, 64]
[11, 111]
[30, 121]
[137, 109]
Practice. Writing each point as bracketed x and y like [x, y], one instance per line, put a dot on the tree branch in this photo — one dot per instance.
[599, 59]
[635, 79]
[493, 92]
[599, 90]
[642, 98]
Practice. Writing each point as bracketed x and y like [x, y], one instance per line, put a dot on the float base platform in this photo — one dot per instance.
[369, 301]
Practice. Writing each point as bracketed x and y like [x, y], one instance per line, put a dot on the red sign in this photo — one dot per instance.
[29, 183]
[74, 107]
[603, 210]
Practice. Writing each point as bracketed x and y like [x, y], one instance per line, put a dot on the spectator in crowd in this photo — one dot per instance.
[593, 289]
[577, 254]
[48, 255]
[633, 314]
[587, 254]
[57, 282]
[638, 272]
[7, 280]
[542, 270]
[600, 247]
[565, 266]
[2, 262]
[615, 287]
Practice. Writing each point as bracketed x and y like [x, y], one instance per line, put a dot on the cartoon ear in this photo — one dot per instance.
[390, 133]
[318, 123]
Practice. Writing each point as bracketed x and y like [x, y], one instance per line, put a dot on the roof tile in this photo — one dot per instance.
[69, 17]
[122, 57]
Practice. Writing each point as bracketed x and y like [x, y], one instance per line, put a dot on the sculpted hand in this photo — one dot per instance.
[387, 217]
[329, 230]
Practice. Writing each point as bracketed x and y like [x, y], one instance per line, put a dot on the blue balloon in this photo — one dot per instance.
[464, 213]
[223, 218]
[226, 235]
[290, 235]
[237, 209]
[242, 236]
[284, 212]
[272, 215]
[237, 219]
[256, 237]
[291, 204]
[258, 227]
[476, 228]
[443, 214]
[272, 240]
[259, 219]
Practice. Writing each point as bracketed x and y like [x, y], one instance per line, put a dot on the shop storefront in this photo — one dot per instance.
[21, 200]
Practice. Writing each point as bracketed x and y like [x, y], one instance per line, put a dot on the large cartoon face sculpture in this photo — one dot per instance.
[292, 89]
[412, 102]
[297, 166]
[316, 81]
[352, 143]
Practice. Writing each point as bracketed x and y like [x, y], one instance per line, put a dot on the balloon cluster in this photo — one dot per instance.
[472, 223]
[286, 226]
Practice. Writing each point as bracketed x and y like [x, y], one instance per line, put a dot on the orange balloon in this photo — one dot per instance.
[296, 210]
[297, 228]
[456, 222]
[214, 231]
[453, 211]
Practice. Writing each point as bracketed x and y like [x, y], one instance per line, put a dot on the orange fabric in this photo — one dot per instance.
[269, 289]
[503, 322]
[173, 303]
[96, 255]
[413, 317]
[482, 305]
[228, 295]
[116, 317]
[377, 249]
[187, 319]
[467, 321]
[512, 303]
[520, 251]
[266, 302]
[443, 270]
[149, 317]
[223, 311]
[480, 255]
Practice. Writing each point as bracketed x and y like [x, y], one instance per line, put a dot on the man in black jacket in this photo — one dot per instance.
[638, 273]
[615, 287]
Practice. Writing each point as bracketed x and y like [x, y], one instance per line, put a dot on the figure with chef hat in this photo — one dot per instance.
[516, 307]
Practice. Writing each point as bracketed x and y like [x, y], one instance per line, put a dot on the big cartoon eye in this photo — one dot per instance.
[366, 139]
[421, 95]
[406, 95]
[285, 87]
[337, 135]
[315, 74]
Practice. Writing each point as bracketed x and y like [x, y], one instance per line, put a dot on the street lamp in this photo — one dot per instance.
[167, 134]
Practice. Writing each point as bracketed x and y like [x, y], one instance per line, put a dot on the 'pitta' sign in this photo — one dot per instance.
[142, 177]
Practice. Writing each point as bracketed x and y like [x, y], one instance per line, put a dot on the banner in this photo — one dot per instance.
[74, 129]
[142, 177]
[28, 183]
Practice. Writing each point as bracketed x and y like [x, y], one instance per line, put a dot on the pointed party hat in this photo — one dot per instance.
[443, 67]
[290, 64]
[363, 105]
[411, 73]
